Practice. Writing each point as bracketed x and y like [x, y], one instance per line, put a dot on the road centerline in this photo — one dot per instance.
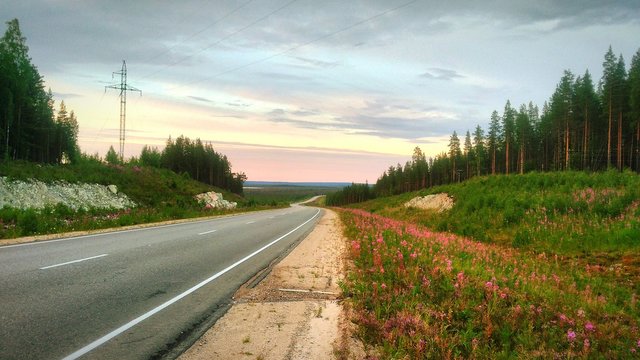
[73, 261]
[88, 348]
[207, 232]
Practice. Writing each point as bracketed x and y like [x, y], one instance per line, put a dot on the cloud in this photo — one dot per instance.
[201, 99]
[441, 74]
[317, 63]
[66, 95]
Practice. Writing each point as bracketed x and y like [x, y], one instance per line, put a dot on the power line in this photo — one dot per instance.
[234, 69]
[222, 39]
[123, 87]
[236, 9]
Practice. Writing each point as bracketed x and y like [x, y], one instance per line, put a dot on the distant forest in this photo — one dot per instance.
[580, 127]
[32, 130]
[185, 156]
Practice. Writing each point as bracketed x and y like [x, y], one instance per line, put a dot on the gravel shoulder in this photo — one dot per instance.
[294, 312]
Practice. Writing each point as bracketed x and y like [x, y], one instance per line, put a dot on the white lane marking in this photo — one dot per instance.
[154, 311]
[250, 222]
[73, 262]
[207, 232]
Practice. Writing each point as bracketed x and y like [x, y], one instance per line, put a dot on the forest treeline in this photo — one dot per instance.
[30, 128]
[185, 156]
[581, 127]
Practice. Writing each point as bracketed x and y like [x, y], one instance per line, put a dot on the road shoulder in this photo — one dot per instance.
[294, 312]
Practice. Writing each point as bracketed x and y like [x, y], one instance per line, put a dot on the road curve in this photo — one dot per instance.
[134, 294]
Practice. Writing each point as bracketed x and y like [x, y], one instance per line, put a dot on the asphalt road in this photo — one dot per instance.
[134, 294]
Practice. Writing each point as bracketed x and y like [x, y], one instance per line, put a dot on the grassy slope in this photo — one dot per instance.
[146, 186]
[566, 213]
[555, 274]
[160, 194]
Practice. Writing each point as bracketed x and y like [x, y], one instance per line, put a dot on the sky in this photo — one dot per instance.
[308, 90]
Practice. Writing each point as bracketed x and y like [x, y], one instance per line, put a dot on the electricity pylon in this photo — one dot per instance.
[123, 87]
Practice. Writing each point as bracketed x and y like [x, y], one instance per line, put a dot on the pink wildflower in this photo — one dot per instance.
[589, 327]
[587, 343]
[413, 255]
[383, 286]
[571, 335]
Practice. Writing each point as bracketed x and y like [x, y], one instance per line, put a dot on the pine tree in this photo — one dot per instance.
[621, 98]
[508, 128]
[634, 103]
[468, 153]
[493, 138]
[607, 92]
[479, 150]
[454, 153]
[111, 157]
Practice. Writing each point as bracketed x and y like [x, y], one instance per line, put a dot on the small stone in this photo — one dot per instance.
[113, 189]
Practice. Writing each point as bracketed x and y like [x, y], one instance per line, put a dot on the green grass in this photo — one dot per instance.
[532, 266]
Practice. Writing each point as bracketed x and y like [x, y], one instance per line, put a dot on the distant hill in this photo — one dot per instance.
[296, 184]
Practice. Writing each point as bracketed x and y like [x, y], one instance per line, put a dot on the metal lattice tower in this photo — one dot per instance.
[123, 87]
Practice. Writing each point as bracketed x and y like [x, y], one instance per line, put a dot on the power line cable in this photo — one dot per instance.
[215, 22]
[261, 60]
[222, 39]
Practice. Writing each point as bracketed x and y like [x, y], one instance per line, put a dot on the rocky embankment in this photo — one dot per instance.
[35, 194]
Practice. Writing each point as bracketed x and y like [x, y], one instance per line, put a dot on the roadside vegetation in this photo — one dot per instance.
[160, 194]
[542, 265]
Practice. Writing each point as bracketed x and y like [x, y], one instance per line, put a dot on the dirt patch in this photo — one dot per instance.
[294, 313]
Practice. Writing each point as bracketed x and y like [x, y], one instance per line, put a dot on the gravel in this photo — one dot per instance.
[37, 195]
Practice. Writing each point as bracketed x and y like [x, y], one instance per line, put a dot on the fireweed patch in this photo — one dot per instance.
[424, 294]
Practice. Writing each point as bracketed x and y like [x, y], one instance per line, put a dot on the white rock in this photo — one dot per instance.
[214, 200]
[113, 188]
[439, 202]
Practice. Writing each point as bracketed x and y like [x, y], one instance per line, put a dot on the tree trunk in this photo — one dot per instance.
[619, 157]
[585, 143]
[566, 146]
[609, 135]
[493, 162]
[507, 158]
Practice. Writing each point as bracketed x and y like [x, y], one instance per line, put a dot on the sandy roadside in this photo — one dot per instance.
[294, 313]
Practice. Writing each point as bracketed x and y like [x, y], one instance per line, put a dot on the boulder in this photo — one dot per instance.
[214, 200]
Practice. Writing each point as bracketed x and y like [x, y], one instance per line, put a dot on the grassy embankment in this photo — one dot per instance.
[539, 265]
[160, 194]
